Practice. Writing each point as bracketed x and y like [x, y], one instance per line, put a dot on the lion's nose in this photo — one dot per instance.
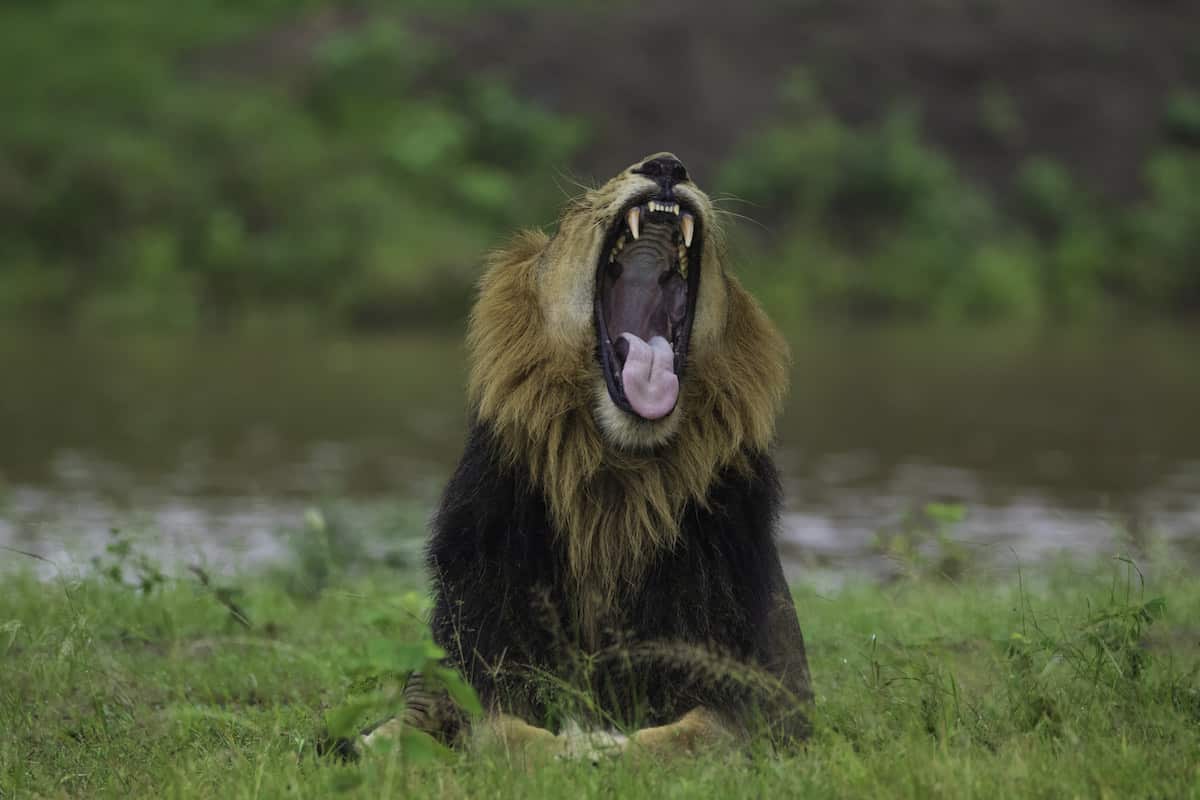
[666, 170]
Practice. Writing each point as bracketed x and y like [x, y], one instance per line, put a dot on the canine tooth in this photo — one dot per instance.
[631, 219]
[688, 223]
[675, 208]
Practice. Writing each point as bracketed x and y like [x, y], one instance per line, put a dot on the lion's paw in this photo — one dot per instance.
[590, 745]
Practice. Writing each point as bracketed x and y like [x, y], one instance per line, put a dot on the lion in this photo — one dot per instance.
[603, 561]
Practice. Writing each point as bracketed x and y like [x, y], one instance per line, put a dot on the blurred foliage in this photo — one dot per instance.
[176, 166]
[871, 222]
[924, 545]
[150, 177]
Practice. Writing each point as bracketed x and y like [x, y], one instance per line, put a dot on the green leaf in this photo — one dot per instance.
[1155, 608]
[420, 746]
[946, 513]
[388, 654]
[343, 722]
[414, 744]
[459, 690]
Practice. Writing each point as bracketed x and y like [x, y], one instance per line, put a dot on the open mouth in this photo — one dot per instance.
[646, 287]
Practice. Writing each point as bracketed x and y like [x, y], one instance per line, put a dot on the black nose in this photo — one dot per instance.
[665, 170]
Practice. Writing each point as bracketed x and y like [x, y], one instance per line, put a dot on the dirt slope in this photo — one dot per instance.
[1085, 81]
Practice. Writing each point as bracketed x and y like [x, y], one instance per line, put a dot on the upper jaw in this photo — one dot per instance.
[667, 223]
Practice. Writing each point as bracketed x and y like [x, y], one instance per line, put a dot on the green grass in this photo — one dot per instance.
[1074, 682]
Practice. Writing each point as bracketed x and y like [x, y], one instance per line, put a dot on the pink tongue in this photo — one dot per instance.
[648, 376]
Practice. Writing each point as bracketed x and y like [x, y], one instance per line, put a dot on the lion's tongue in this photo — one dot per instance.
[651, 386]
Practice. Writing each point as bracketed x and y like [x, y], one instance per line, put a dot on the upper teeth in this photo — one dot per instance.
[687, 223]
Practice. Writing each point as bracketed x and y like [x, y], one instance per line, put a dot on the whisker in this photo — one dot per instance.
[582, 187]
[726, 212]
[720, 198]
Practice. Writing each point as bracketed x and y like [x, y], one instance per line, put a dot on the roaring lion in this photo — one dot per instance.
[603, 559]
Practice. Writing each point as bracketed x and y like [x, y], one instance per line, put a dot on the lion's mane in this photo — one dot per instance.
[617, 506]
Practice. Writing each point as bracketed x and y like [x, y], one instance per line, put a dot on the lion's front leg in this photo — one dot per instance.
[697, 730]
[518, 740]
[515, 738]
[497, 733]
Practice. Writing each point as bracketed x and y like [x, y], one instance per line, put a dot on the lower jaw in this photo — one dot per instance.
[628, 431]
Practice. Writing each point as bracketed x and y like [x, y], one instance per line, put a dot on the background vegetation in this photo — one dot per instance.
[208, 163]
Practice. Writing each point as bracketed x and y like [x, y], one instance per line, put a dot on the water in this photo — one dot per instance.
[211, 449]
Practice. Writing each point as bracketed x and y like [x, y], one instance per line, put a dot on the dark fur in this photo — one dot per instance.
[710, 623]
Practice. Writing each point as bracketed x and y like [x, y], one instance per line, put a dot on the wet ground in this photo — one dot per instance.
[212, 449]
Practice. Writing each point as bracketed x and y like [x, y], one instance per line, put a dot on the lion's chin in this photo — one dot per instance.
[627, 431]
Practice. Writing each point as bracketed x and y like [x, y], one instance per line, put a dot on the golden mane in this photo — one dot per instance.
[535, 383]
